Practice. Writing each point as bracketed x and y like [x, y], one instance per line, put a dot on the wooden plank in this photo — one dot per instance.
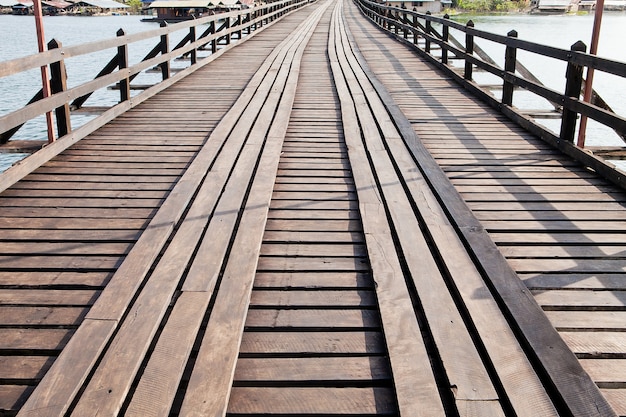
[48, 297]
[588, 320]
[41, 316]
[12, 397]
[310, 298]
[313, 280]
[543, 281]
[312, 264]
[606, 372]
[24, 367]
[617, 399]
[355, 401]
[334, 343]
[34, 339]
[596, 344]
[331, 370]
[52, 278]
[594, 300]
[310, 318]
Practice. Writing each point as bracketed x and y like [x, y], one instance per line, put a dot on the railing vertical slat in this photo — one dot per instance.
[122, 62]
[445, 36]
[429, 30]
[58, 84]
[573, 87]
[510, 61]
[165, 48]
[192, 38]
[469, 50]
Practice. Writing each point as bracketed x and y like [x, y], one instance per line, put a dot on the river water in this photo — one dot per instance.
[17, 39]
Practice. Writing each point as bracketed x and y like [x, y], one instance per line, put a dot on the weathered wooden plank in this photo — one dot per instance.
[24, 367]
[41, 316]
[65, 248]
[313, 280]
[54, 278]
[331, 370]
[34, 339]
[355, 401]
[617, 399]
[588, 320]
[606, 372]
[581, 299]
[48, 297]
[313, 342]
[543, 281]
[12, 397]
[598, 265]
[300, 263]
[310, 318]
[596, 344]
[360, 298]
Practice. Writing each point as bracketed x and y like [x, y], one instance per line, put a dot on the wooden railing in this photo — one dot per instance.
[218, 32]
[438, 46]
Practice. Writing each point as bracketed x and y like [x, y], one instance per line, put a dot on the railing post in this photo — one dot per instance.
[404, 22]
[122, 62]
[165, 48]
[238, 25]
[414, 24]
[249, 22]
[429, 30]
[469, 50]
[396, 26]
[510, 59]
[192, 38]
[445, 36]
[58, 84]
[227, 27]
[573, 87]
[214, 41]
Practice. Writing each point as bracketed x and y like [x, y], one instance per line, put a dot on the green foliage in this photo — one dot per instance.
[135, 5]
[482, 6]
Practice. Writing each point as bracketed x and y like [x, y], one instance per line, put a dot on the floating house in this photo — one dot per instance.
[91, 7]
[422, 6]
[179, 10]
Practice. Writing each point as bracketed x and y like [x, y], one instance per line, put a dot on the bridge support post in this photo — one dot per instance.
[122, 63]
[58, 84]
[469, 50]
[510, 60]
[165, 48]
[573, 87]
[445, 35]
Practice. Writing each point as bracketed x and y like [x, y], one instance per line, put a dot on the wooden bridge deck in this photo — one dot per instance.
[268, 245]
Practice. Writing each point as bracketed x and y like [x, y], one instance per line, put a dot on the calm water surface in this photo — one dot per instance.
[17, 39]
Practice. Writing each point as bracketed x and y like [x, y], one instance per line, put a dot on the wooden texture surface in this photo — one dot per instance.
[270, 244]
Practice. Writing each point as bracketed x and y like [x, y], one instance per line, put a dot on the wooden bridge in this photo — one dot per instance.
[334, 228]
